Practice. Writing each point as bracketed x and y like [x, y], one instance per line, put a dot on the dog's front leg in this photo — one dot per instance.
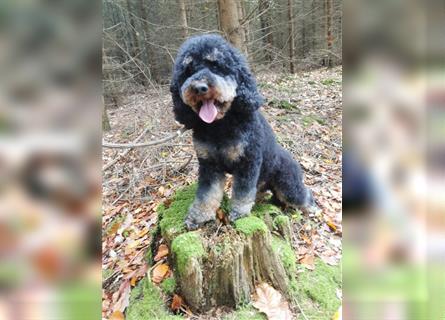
[244, 190]
[208, 197]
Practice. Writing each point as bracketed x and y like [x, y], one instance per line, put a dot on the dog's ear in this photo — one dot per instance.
[183, 113]
[248, 98]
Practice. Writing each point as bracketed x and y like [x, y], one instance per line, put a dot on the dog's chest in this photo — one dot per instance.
[230, 152]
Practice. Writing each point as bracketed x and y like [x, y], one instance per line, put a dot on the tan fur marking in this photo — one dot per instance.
[212, 200]
[201, 149]
[233, 153]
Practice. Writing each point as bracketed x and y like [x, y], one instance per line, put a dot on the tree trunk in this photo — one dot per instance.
[183, 14]
[149, 52]
[105, 121]
[229, 23]
[220, 265]
[328, 6]
[133, 33]
[265, 22]
[291, 36]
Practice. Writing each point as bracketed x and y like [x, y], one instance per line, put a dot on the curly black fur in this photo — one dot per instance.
[239, 141]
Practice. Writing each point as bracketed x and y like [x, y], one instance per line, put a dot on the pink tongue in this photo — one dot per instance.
[208, 111]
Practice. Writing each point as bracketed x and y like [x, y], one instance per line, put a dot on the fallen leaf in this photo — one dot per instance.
[113, 229]
[117, 315]
[331, 225]
[122, 297]
[176, 302]
[143, 232]
[270, 301]
[308, 261]
[159, 273]
[220, 214]
[167, 203]
[162, 252]
[332, 261]
[133, 281]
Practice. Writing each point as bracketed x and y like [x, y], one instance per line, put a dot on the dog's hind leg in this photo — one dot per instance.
[208, 197]
[288, 187]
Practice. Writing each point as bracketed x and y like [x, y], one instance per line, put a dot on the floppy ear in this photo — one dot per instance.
[183, 113]
[248, 99]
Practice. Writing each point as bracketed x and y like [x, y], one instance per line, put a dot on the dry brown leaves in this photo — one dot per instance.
[160, 272]
[271, 302]
[117, 315]
[162, 252]
[176, 302]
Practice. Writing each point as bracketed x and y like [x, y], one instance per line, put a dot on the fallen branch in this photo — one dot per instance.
[143, 144]
[132, 145]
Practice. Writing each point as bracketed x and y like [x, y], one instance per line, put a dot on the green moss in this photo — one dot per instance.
[315, 290]
[172, 217]
[249, 225]
[245, 313]
[296, 215]
[146, 303]
[280, 221]
[286, 254]
[260, 209]
[185, 247]
[310, 119]
[168, 286]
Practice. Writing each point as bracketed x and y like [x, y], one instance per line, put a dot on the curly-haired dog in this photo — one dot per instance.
[215, 94]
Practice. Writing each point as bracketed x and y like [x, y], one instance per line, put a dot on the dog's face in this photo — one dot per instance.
[208, 91]
[209, 88]
[211, 77]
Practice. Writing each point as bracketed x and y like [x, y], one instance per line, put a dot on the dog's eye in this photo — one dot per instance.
[189, 69]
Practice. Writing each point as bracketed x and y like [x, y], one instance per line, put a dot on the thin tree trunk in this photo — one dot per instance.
[229, 22]
[183, 13]
[133, 30]
[149, 52]
[328, 4]
[105, 121]
[265, 22]
[291, 36]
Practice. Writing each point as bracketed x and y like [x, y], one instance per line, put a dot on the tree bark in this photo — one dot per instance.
[329, 38]
[229, 22]
[183, 14]
[265, 22]
[291, 36]
[149, 52]
[105, 121]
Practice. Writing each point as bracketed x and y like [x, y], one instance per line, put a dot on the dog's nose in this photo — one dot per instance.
[200, 88]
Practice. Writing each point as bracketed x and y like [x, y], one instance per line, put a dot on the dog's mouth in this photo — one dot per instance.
[208, 110]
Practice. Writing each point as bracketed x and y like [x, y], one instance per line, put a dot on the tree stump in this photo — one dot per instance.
[221, 264]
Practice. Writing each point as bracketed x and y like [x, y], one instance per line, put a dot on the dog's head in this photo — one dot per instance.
[211, 79]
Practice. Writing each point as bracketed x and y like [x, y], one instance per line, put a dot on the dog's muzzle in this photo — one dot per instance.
[208, 94]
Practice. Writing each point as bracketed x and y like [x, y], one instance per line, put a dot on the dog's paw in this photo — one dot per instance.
[196, 219]
[312, 210]
[235, 215]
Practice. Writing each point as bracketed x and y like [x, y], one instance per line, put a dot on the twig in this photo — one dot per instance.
[144, 144]
[299, 308]
[123, 154]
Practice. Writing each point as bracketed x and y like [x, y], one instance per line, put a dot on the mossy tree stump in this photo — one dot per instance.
[221, 265]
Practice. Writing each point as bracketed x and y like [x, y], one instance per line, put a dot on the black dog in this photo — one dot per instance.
[215, 94]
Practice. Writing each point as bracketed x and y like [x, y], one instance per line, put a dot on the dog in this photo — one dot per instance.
[215, 95]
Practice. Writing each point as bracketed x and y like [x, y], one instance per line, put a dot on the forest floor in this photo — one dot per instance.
[305, 111]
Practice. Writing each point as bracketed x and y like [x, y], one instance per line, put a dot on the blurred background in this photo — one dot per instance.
[393, 160]
[50, 167]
